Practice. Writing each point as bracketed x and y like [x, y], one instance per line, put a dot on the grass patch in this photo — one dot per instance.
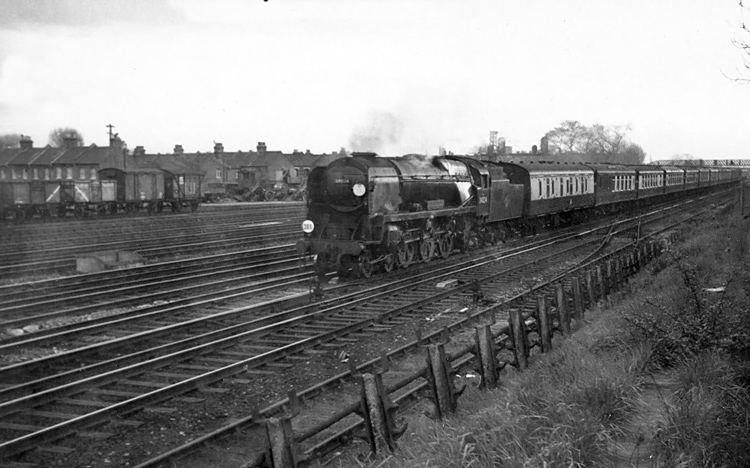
[708, 424]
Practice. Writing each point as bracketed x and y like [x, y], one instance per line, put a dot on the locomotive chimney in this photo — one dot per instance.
[261, 147]
[26, 143]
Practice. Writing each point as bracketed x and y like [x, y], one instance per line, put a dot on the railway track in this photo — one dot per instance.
[27, 303]
[53, 251]
[268, 345]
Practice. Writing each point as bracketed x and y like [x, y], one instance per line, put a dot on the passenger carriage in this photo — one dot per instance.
[692, 178]
[650, 180]
[555, 192]
[615, 185]
[674, 179]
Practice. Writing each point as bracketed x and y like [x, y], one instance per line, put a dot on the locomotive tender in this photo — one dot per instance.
[366, 211]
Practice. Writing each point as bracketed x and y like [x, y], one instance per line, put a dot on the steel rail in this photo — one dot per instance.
[261, 282]
[140, 283]
[33, 288]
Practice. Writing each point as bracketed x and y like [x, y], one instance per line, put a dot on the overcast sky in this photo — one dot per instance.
[415, 74]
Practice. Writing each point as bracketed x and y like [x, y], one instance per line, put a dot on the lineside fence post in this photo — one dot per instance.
[590, 290]
[562, 310]
[520, 339]
[487, 354]
[378, 410]
[281, 442]
[575, 283]
[281, 449]
[440, 375]
[543, 323]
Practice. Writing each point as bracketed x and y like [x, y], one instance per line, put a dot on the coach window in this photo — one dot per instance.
[540, 189]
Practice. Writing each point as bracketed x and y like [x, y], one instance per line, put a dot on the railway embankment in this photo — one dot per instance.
[658, 375]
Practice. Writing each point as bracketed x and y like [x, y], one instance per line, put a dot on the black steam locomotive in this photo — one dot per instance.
[367, 211]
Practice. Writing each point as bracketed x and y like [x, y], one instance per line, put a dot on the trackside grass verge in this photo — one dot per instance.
[660, 378]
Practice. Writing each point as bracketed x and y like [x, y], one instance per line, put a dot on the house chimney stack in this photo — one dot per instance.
[70, 141]
[139, 151]
[178, 149]
[218, 148]
[261, 147]
[26, 143]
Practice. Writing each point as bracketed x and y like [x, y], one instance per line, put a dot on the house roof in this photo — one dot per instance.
[303, 159]
[171, 163]
[265, 159]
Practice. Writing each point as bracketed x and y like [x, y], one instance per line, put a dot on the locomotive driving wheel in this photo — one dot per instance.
[445, 246]
[406, 253]
[364, 266]
[389, 263]
[426, 250]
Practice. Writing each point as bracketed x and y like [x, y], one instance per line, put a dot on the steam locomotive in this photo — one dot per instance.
[367, 212]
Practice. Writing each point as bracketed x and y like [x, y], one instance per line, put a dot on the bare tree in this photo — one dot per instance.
[606, 140]
[744, 44]
[569, 137]
[10, 140]
[597, 143]
[58, 135]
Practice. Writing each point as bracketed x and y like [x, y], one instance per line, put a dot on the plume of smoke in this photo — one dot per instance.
[381, 130]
